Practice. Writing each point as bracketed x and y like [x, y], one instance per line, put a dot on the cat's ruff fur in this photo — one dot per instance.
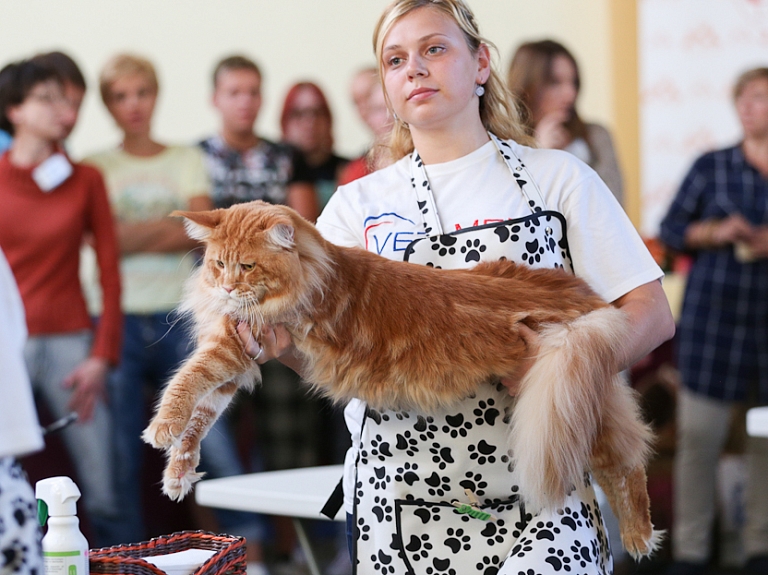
[400, 335]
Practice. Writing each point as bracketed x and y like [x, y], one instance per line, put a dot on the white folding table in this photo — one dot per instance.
[296, 493]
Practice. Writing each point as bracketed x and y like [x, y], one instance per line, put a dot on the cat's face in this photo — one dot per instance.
[249, 261]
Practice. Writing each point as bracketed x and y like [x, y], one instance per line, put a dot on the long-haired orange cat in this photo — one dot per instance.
[400, 335]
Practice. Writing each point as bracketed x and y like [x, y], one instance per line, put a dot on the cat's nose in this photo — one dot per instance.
[228, 289]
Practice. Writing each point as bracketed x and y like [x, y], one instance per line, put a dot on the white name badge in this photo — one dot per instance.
[52, 172]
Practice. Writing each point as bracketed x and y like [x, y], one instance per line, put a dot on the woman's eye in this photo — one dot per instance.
[434, 50]
[219, 264]
[246, 267]
[396, 61]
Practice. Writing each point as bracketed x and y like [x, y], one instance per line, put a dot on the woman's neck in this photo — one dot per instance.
[141, 145]
[756, 152]
[316, 157]
[28, 151]
[239, 141]
[444, 145]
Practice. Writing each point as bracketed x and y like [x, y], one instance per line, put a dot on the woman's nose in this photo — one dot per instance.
[416, 67]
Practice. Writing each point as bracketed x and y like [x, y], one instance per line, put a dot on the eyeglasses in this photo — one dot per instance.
[48, 98]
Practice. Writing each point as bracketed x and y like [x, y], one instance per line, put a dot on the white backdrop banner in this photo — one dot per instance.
[690, 54]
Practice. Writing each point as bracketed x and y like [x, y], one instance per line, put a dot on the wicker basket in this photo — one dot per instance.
[229, 558]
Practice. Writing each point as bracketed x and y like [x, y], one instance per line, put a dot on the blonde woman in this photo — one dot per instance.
[467, 188]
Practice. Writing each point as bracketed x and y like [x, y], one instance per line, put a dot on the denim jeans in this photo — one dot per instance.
[154, 345]
[50, 359]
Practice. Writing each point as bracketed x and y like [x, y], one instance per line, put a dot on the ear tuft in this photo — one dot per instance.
[282, 235]
[199, 225]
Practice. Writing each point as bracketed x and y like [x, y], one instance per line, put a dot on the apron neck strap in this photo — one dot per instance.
[426, 200]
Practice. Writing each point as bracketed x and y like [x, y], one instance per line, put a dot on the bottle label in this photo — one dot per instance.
[65, 563]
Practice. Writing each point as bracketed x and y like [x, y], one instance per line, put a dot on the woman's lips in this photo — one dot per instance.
[421, 93]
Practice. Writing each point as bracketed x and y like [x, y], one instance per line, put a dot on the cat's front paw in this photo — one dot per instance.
[162, 433]
[180, 475]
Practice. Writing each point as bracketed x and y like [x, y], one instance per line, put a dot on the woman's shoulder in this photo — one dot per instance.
[546, 160]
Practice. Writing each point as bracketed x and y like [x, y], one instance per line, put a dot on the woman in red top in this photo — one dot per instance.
[48, 207]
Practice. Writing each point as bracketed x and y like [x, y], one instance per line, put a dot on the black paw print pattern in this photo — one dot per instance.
[363, 530]
[486, 412]
[418, 546]
[382, 509]
[558, 559]
[427, 514]
[545, 530]
[380, 448]
[456, 425]
[508, 233]
[482, 452]
[444, 245]
[522, 547]
[457, 540]
[488, 565]
[440, 567]
[382, 563]
[571, 518]
[494, 532]
[426, 427]
[472, 250]
[438, 485]
[534, 252]
[380, 478]
[406, 442]
[581, 554]
[407, 473]
[474, 482]
[441, 455]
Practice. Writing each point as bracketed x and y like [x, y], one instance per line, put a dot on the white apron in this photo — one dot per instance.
[425, 483]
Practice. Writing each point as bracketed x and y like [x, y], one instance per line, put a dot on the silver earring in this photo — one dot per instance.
[479, 90]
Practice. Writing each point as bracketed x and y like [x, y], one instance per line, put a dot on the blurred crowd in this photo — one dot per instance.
[101, 269]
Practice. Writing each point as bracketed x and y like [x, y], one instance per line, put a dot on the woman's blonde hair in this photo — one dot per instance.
[498, 107]
[123, 65]
[747, 77]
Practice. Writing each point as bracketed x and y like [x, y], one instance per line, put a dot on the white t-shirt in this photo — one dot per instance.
[379, 213]
[19, 428]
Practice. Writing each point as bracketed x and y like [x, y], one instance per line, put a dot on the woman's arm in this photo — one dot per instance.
[160, 236]
[301, 196]
[651, 319]
[274, 342]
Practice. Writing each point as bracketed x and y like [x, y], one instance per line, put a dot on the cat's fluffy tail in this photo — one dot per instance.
[558, 411]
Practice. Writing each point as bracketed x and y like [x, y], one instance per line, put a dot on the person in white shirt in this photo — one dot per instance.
[467, 188]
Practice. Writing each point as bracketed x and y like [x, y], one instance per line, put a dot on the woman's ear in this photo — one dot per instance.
[483, 64]
[199, 225]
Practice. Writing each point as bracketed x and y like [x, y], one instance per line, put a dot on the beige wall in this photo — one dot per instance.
[322, 40]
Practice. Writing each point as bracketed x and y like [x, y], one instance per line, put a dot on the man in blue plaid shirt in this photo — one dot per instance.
[720, 217]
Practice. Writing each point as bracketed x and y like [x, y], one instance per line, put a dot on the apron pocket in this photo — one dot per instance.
[436, 538]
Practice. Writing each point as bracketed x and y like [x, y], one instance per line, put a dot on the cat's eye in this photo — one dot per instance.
[246, 267]
[220, 264]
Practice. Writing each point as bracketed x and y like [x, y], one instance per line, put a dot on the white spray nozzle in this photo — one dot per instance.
[59, 494]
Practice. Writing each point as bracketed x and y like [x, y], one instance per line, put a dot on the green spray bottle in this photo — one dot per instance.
[65, 549]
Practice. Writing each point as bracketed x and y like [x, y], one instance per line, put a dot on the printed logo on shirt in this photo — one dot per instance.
[476, 223]
[389, 233]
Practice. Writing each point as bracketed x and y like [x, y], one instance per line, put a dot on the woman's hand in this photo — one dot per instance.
[272, 343]
[87, 382]
[550, 132]
[531, 340]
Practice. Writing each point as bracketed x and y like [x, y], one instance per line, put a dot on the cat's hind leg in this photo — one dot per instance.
[180, 470]
[618, 465]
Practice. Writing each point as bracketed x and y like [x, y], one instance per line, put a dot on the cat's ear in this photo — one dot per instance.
[199, 225]
[282, 235]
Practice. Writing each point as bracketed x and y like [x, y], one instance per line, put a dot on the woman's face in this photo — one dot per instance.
[558, 96]
[131, 103]
[429, 73]
[752, 108]
[307, 126]
[42, 114]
